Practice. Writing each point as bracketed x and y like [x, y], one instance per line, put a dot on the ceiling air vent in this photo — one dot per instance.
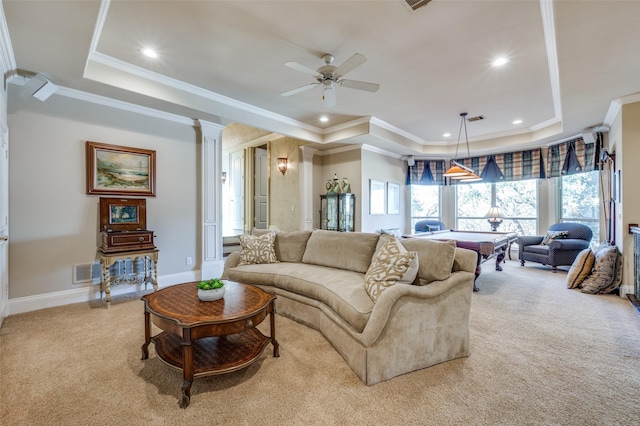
[476, 118]
[416, 4]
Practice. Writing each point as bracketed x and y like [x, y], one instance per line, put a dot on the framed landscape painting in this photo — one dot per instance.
[120, 170]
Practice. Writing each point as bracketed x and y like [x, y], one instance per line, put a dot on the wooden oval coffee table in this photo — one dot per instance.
[206, 338]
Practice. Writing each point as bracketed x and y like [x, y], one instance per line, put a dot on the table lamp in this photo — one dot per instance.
[494, 216]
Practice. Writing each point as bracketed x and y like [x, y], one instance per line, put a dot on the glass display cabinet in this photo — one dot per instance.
[337, 212]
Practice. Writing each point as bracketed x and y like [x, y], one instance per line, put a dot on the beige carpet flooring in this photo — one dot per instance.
[540, 354]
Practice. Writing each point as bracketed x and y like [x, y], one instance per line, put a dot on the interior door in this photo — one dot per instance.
[236, 182]
[4, 223]
[261, 191]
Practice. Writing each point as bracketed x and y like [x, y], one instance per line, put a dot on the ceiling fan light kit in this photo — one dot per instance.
[330, 76]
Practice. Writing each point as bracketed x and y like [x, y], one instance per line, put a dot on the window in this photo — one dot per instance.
[425, 203]
[517, 200]
[580, 200]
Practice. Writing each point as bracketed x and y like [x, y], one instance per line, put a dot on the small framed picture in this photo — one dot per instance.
[376, 197]
[393, 198]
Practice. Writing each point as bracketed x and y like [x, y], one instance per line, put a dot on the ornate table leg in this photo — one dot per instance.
[272, 320]
[147, 335]
[147, 260]
[187, 368]
[102, 276]
[499, 259]
[107, 281]
[154, 272]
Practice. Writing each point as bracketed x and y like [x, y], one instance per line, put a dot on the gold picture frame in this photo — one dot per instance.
[120, 170]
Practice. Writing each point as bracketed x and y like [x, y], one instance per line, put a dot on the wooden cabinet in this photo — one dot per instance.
[113, 242]
[337, 212]
[123, 225]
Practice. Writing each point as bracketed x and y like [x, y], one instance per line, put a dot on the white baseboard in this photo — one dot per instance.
[85, 294]
[626, 289]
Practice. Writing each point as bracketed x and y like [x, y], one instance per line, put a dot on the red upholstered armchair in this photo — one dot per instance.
[555, 252]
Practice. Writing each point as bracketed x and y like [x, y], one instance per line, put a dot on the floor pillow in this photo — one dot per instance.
[604, 270]
[581, 268]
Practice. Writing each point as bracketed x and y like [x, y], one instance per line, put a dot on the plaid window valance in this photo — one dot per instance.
[426, 172]
[510, 166]
[574, 156]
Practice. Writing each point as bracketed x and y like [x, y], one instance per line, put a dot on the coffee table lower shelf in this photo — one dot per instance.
[213, 355]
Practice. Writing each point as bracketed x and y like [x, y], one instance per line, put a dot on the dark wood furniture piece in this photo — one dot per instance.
[206, 338]
[338, 212]
[486, 244]
[123, 235]
[123, 223]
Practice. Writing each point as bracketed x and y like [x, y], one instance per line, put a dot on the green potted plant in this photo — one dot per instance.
[209, 290]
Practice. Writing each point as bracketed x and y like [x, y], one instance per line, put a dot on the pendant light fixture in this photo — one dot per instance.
[459, 171]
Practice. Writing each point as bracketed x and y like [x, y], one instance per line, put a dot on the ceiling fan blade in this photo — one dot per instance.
[360, 85]
[299, 67]
[299, 89]
[329, 97]
[350, 64]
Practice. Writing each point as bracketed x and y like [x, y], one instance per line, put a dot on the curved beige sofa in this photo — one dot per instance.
[319, 282]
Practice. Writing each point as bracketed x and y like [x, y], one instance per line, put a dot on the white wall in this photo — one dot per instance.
[389, 170]
[627, 154]
[54, 222]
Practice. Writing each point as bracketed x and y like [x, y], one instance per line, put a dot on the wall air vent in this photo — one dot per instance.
[416, 4]
[476, 118]
[86, 273]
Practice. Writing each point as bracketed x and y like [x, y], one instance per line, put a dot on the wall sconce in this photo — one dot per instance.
[282, 164]
[494, 216]
[223, 177]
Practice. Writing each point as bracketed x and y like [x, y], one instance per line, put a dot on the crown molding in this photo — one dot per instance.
[121, 105]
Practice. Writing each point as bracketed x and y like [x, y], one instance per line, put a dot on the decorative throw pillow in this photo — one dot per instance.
[617, 280]
[257, 249]
[604, 271]
[391, 264]
[554, 235]
[581, 268]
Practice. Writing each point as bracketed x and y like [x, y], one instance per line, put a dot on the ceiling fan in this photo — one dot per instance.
[329, 77]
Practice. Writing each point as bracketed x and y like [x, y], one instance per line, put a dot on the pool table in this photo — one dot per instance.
[486, 244]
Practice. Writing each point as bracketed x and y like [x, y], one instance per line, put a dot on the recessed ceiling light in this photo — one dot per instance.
[446, 135]
[149, 52]
[517, 121]
[324, 118]
[498, 62]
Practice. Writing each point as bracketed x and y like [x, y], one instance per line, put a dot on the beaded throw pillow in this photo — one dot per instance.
[391, 264]
[257, 249]
[553, 235]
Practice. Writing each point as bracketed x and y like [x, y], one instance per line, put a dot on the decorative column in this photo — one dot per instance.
[212, 262]
[305, 189]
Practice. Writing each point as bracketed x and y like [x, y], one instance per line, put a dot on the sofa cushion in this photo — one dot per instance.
[257, 249]
[537, 249]
[341, 290]
[290, 246]
[342, 250]
[604, 270]
[553, 235]
[581, 268]
[391, 264]
[435, 258]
